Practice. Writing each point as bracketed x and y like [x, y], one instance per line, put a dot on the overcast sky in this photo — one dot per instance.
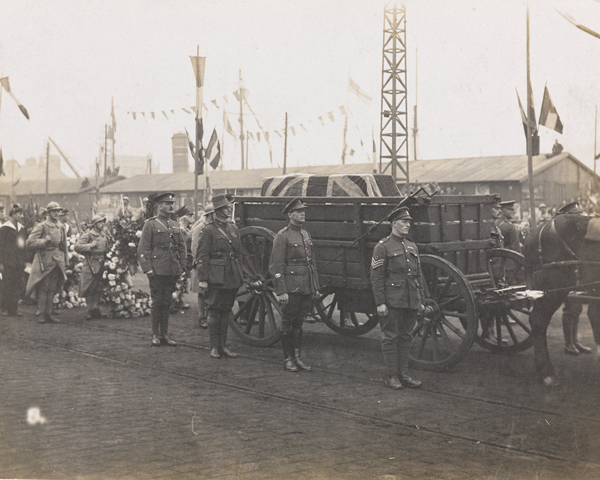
[67, 58]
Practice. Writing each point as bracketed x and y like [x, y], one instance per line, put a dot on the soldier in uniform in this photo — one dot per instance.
[125, 212]
[296, 282]
[496, 233]
[219, 273]
[13, 256]
[398, 287]
[161, 255]
[93, 244]
[544, 215]
[509, 231]
[207, 217]
[48, 272]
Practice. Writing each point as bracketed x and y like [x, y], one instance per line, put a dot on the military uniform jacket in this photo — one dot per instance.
[126, 212]
[218, 255]
[161, 248]
[12, 246]
[293, 265]
[95, 256]
[396, 275]
[510, 235]
[497, 236]
[47, 254]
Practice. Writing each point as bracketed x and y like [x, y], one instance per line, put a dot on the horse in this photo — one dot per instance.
[569, 247]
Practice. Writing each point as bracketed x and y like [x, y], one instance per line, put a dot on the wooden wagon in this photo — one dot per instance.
[476, 292]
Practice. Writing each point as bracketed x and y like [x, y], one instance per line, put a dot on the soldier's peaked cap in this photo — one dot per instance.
[295, 204]
[98, 218]
[572, 207]
[508, 203]
[401, 213]
[220, 201]
[53, 206]
[165, 197]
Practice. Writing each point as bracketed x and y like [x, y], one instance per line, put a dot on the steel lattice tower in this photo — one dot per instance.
[394, 108]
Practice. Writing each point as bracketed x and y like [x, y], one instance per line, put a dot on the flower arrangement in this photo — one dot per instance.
[69, 297]
[181, 289]
[116, 282]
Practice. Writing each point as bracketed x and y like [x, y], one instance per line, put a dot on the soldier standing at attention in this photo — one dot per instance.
[398, 287]
[93, 244]
[219, 273]
[48, 272]
[509, 231]
[296, 282]
[207, 217]
[161, 254]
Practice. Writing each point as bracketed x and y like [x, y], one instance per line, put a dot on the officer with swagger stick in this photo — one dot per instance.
[296, 282]
[93, 244]
[161, 255]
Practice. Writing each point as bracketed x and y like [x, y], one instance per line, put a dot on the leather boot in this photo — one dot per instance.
[224, 319]
[567, 323]
[393, 382]
[288, 348]
[403, 359]
[578, 346]
[297, 347]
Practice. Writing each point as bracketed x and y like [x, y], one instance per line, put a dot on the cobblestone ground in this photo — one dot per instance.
[92, 400]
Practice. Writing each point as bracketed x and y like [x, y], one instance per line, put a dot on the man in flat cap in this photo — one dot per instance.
[207, 217]
[219, 272]
[509, 231]
[13, 257]
[93, 244]
[398, 287]
[48, 272]
[161, 255]
[544, 215]
[296, 282]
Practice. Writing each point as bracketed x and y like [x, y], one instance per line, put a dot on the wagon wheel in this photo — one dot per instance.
[258, 314]
[504, 327]
[444, 336]
[342, 321]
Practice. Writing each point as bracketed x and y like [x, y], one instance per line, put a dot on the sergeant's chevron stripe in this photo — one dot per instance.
[377, 263]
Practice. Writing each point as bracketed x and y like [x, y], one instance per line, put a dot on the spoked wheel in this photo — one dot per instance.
[504, 325]
[342, 321]
[445, 334]
[258, 313]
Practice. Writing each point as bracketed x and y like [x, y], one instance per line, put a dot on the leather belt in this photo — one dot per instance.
[231, 255]
[298, 261]
[171, 248]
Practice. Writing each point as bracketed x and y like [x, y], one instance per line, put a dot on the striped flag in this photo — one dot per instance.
[213, 150]
[6, 84]
[548, 115]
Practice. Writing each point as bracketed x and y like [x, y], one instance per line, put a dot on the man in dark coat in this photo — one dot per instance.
[398, 287]
[13, 256]
[296, 282]
[92, 244]
[48, 272]
[509, 231]
[219, 273]
[161, 255]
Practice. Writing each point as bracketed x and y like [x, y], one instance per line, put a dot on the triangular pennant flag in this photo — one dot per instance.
[214, 102]
[250, 135]
[163, 112]
[213, 151]
[548, 115]
[6, 84]
[112, 115]
[190, 143]
[354, 88]
[277, 132]
[227, 125]
[143, 114]
[193, 109]
[343, 110]
[198, 66]
[267, 136]
[331, 117]
[152, 115]
[293, 130]
[186, 110]
[133, 114]
[351, 152]
[226, 99]
[258, 136]
[303, 127]
[173, 112]
[321, 120]
[237, 95]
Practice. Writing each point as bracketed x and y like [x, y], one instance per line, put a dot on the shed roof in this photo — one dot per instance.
[64, 186]
[452, 170]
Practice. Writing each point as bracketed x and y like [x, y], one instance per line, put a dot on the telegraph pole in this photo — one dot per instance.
[529, 132]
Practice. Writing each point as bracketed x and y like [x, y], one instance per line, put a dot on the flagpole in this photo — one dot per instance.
[595, 132]
[47, 169]
[529, 143]
[197, 146]
[241, 121]
[285, 145]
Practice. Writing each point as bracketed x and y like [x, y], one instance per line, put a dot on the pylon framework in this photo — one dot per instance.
[394, 108]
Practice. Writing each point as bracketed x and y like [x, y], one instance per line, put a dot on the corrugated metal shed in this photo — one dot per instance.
[453, 170]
